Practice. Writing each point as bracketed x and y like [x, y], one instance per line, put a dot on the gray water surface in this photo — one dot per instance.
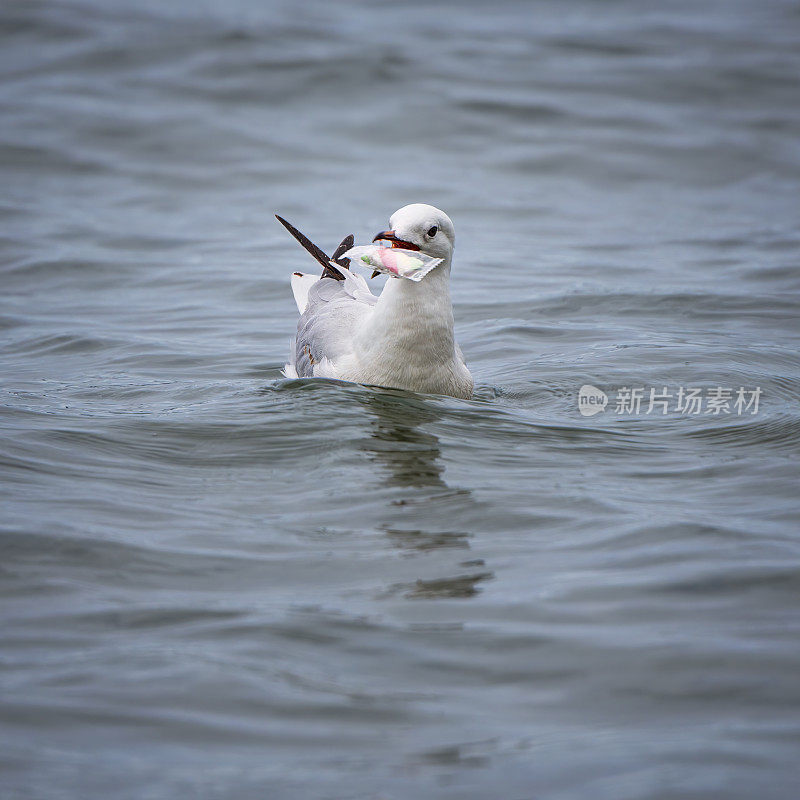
[219, 583]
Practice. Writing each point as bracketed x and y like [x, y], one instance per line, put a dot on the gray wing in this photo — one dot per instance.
[325, 329]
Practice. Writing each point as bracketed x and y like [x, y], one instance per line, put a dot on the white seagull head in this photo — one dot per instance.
[421, 227]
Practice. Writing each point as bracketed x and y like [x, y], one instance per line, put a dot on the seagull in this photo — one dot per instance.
[403, 338]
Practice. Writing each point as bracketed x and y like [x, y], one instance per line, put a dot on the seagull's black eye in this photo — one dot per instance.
[433, 231]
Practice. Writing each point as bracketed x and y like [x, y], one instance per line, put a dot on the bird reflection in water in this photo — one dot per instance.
[410, 454]
[410, 458]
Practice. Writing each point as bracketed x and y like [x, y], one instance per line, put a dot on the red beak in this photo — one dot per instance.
[391, 236]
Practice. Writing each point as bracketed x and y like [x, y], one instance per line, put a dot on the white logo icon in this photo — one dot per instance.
[591, 400]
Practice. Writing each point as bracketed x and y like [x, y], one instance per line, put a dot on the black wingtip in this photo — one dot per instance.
[319, 255]
[345, 245]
